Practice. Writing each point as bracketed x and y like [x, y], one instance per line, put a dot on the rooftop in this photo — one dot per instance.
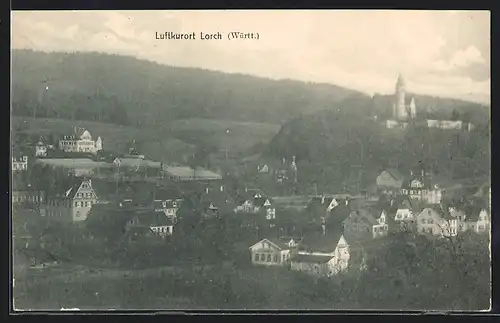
[319, 259]
[188, 173]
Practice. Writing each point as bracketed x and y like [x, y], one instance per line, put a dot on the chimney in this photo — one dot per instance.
[423, 174]
[323, 199]
[206, 190]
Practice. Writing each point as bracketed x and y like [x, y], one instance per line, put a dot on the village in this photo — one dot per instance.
[127, 199]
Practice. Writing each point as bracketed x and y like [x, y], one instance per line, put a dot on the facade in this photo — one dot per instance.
[323, 264]
[404, 218]
[40, 149]
[273, 252]
[361, 224]
[20, 164]
[27, 196]
[258, 203]
[420, 190]
[157, 222]
[74, 204]
[167, 201]
[381, 229]
[479, 222]
[80, 141]
[389, 181]
[437, 222]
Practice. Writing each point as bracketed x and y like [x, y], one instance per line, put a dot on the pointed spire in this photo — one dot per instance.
[400, 81]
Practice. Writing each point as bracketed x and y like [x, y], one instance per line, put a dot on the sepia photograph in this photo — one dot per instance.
[270, 160]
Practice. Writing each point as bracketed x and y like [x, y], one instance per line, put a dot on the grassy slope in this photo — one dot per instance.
[159, 143]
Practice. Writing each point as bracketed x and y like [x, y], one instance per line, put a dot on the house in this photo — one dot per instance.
[19, 163]
[323, 263]
[404, 214]
[438, 222]
[385, 224]
[420, 189]
[113, 223]
[320, 207]
[273, 252]
[389, 181]
[478, 221]
[40, 149]
[362, 224]
[26, 194]
[263, 168]
[157, 221]
[72, 205]
[167, 200]
[257, 203]
[80, 141]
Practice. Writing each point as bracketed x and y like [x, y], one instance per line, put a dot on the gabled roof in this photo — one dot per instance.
[364, 215]
[320, 243]
[319, 259]
[473, 216]
[278, 245]
[260, 201]
[282, 242]
[395, 174]
[153, 219]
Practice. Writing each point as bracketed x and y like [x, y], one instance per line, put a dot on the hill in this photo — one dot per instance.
[338, 146]
[129, 91]
[117, 138]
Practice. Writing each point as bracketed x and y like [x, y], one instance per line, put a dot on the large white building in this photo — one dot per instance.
[80, 141]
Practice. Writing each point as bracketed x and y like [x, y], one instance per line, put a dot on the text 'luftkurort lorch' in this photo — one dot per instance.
[168, 35]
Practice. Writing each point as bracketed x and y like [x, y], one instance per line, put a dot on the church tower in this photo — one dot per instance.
[401, 112]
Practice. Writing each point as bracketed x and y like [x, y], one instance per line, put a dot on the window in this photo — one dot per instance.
[275, 258]
[284, 257]
[428, 212]
[269, 257]
[262, 257]
[256, 257]
[76, 203]
[430, 221]
[480, 227]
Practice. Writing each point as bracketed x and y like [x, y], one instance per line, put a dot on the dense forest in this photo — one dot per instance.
[125, 90]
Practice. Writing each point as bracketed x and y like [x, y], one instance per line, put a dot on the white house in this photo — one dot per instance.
[323, 264]
[256, 204]
[19, 164]
[158, 222]
[478, 222]
[81, 141]
[72, 205]
[273, 252]
[437, 222]
[40, 149]
[418, 190]
[381, 229]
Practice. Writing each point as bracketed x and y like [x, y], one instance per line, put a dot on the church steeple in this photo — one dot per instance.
[401, 82]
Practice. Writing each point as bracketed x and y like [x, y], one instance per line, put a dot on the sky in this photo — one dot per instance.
[440, 53]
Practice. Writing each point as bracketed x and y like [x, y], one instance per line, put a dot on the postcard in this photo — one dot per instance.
[251, 160]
